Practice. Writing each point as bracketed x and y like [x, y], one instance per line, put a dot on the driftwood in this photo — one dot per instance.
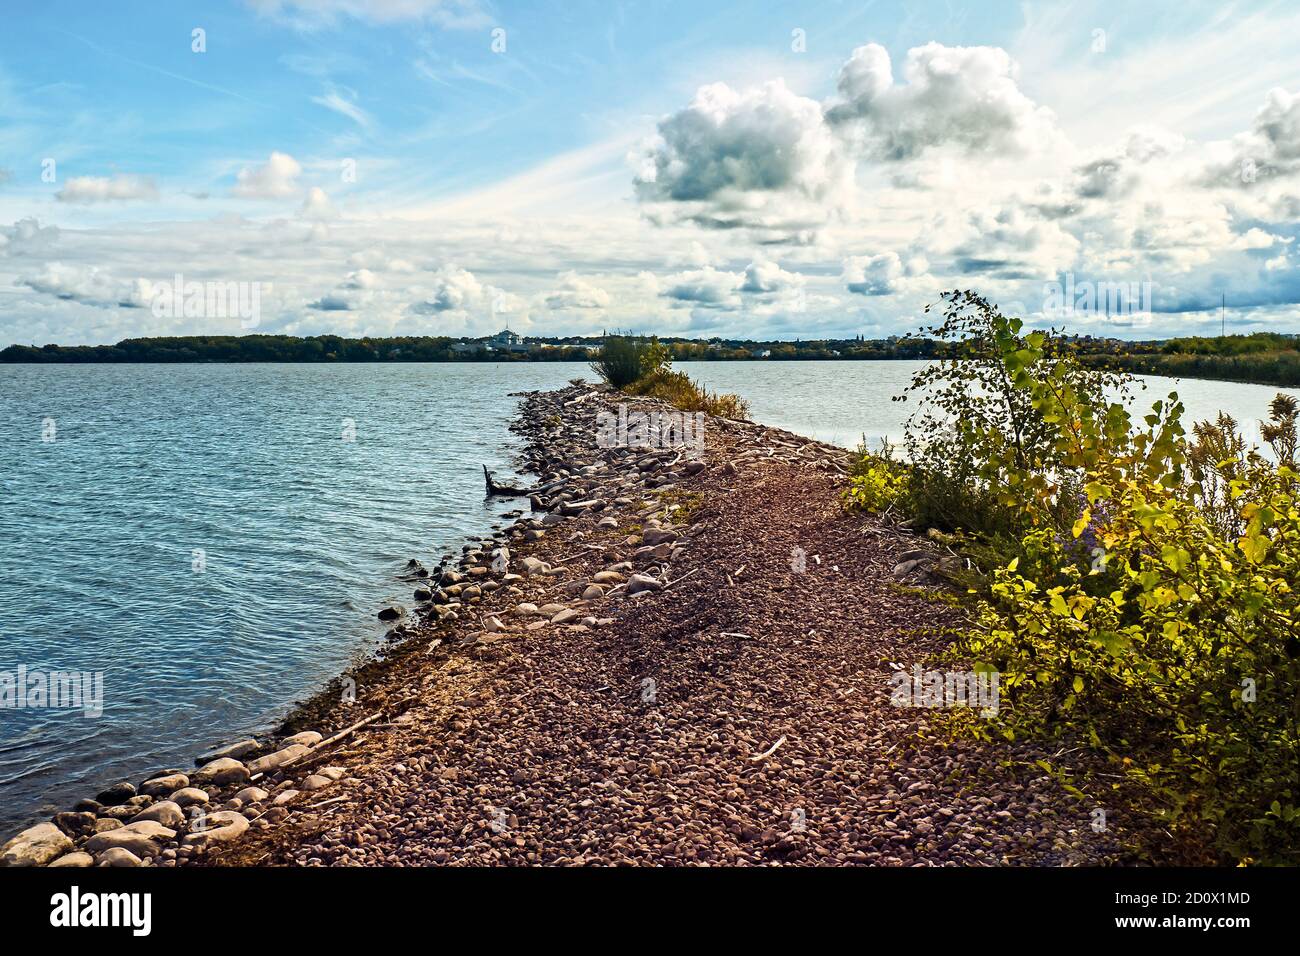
[509, 491]
[514, 491]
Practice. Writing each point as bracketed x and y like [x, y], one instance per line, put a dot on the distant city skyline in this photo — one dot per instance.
[743, 170]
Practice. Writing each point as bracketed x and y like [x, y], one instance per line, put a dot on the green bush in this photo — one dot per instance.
[1150, 611]
[623, 360]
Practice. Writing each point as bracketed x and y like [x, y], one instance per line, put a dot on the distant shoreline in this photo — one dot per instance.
[1279, 369]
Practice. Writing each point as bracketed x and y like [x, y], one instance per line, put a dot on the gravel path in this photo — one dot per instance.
[735, 712]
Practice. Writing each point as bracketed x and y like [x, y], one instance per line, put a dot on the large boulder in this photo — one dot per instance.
[35, 846]
[221, 827]
[143, 838]
[161, 786]
[165, 812]
[222, 771]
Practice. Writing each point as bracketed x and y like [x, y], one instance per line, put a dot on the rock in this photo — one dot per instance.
[422, 594]
[87, 806]
[76, 859]
[693, 467]
[287, 796]
[659, 535]
[608, 577]
[222, 827]
[116, 794]
[609, 522]
[563, 617]
[578, 507]
[593, 592]
[189, 796]
[392, 613]
[316, 782]
[160, 786]
[526, 609]
[144, 838]
[905, 568]
[552, 519]
[533, 566]
[220, 772]
[550, 610]
[533, 534]
[307, 738]
[35, 846]
[119, 856]
[493, 625]
[104, 824]
[278, 759]
[642, 582]
[75, 824]
[659, 552]
[251, 795]
[916, 554]
[165, 812]
[235, 751]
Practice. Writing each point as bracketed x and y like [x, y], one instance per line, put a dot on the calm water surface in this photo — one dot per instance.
[302, 531]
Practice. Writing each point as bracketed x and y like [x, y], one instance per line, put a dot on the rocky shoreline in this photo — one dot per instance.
[674, 655]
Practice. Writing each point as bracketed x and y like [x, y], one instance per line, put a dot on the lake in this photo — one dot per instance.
[215, 540]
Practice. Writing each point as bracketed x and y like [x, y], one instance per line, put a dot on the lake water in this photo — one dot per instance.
[215, 540]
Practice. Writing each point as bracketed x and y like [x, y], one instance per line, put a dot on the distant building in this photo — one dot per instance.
[761, 353]
[507, 341]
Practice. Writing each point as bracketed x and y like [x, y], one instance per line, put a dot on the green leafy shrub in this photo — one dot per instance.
[878, 484]
[623, 360]
[1149, 611]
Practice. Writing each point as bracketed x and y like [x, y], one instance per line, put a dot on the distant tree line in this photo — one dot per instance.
[1265, 357]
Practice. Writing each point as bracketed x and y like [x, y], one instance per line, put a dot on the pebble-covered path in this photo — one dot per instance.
[735, 710]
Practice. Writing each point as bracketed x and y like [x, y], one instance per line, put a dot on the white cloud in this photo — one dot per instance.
[333, 100]
[27, 237]
[574, 292]
[317, 206]
[88, 285]
[121, 187]
[965, 97]
[763, 158]
[277, 178]
[706, 287]
[764, 277]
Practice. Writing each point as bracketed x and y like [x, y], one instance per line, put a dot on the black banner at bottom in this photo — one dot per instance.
[319, 906]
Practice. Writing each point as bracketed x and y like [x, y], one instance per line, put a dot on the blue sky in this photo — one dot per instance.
[762, 169]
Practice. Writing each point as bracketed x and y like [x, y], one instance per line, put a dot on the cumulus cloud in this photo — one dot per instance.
[88, 285]
[277, 178]
[966, 97]
[27, 237]
[121, 187]
[455, 289]
[763, 157]
[770, 160]
[317, 206]
[764, 277]
[705, 287]
[574, 292]
[873, 275]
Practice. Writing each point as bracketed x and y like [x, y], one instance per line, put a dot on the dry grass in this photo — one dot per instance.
[680, 391]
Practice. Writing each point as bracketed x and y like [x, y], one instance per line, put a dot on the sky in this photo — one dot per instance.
[738, 169]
